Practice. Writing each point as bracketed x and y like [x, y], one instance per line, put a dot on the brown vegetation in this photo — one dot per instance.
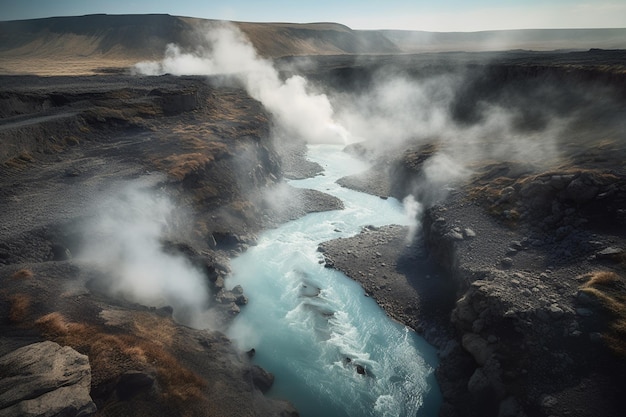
[111, 355]
[610, 290]
[20, 304]
[21, 160]
[599, 278]
[126, 111]
[22, 274]
[181, 165]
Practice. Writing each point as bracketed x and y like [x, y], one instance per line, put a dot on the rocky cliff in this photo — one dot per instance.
[69, 146]
[532, 254]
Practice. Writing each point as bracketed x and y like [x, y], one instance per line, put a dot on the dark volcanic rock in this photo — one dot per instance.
[132, 383]
[284, 203]
[95, 136]
[396, 274]
[261, 379]
[518, 318]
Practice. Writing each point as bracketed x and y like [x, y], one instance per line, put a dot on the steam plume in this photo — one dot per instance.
[297, 110]
[464, 119]
[413, 210]
[125, 243]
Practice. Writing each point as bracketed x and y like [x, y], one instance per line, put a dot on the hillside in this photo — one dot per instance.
[99, 43]
[500, 40]
[84, 44]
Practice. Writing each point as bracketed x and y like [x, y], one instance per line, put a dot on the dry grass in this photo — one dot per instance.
[601, 278]
[159, 330]
[199, 155]
[609, 289]
[71, 140]
[182, 165]
[20, 306]
[21, 160]
[112, 354]
[66, 65]
[125, 112]
[22, 274]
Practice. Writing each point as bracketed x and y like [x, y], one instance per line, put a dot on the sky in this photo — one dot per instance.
[430, 15]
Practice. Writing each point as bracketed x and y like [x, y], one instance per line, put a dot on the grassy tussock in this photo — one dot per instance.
[21, 160]
[180, 166]
[610, 290]
[131, 112]
[149, 327]
[22, 274]
[113, 354]
[199, 154]
[601, 278]
[20, 307]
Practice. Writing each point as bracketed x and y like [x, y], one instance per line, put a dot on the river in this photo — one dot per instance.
[314, 328]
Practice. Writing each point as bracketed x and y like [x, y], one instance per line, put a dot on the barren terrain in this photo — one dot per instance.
[98, 44]
[517, 276]
[72, 144]
[534, 254]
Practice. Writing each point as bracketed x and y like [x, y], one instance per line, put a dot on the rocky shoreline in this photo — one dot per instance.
[518, 333]
[531, 254]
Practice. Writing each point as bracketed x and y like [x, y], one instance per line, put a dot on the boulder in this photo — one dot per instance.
[241, 300]
[45, 379]
[581, 190]
[478, 382]
[610, 253]
[464, 314]
[261, 379]
[477, 347]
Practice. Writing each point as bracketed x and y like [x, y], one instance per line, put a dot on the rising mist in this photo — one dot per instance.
[395, 110]
[465, 120]
[125, 242]
[298, 110]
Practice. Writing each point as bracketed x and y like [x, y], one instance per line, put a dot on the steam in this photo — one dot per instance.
[297, 109]
[397, 110]
[413, 210]
[125, 244]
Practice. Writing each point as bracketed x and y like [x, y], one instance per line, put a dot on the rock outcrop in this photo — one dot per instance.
[520, 314]
[45, 380]
[213, 150]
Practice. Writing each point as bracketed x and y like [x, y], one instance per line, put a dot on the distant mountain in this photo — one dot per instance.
[499, 40]
[147, 35]
[81, 44]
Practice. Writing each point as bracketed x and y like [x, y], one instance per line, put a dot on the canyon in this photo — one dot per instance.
[515, 276]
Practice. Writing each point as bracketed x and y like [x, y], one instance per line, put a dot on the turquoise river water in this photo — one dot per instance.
[305, 321]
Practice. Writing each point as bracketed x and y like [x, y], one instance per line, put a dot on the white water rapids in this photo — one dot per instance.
[305, 321]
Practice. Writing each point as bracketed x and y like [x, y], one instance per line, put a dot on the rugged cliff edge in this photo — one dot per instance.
[71, 146]
[527, 311]
[533, 256]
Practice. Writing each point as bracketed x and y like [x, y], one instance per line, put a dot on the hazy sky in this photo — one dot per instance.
[433, 15]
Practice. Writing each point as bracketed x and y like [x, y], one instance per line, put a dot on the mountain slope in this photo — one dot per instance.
[87, 44]
[66, 45]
